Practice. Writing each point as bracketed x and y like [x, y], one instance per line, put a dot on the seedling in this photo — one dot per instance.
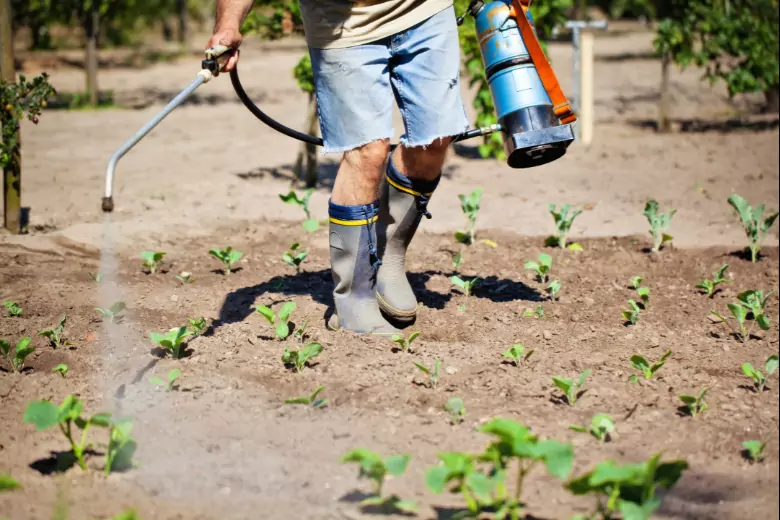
[518, 354]
[311, 225]
[636, 282]
[538, 312]
[185, 277]
[228, 257]
[173, 375]
[632, 314]
[17, 356]
[644, 296]
[457, 410]
[659, 223]
[96, 277]
[750, 307]
[44, 415]
[172, 341]
[294, 258]
[299, 358]
[404, 342]
[754, 450]
[55, 335]
[198, 326]
[470, 205]
[695, 403]
[121, 447]
[710, 287]
[433, 374]
[571, 389]
[759, 379]
[130, 514]
[648, 370]
[152, 260]
[601, 427]
[62, 368]
[629, 489]
[756, 226]
[563, 222]
[542, 267]
[281, 321]
[457, 260]
[374, 468]
[309, 400]
[13, 309]
[300, 332]
[466, 286]
[553, 288]
[8, 483]
[113, 312]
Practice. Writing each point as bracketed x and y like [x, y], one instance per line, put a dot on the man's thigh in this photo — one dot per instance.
[354, 96]
[425, 75]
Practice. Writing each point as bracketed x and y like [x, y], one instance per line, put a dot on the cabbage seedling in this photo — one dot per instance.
[457, 410]
[281, 321]
[112, 313]
[293, 258]
[44, 415]
[457, 260]
[553, 288]
[644, 296]
[17, 356]
[300, 332]
[228, 257]
[311, 225]
[629, 489]
[466, 286]
[648, 370]
[185, 277]
[96, 277]
[404, 342]
[311, 399]
[659, 223]
[13, 309]
[756, 226]
[55, 335]
[198, 326]
[635, 282]
[433, 374]
[632, 314]
[518, 354]
[710, 287]
[750, 307]
[571, 389]
[601, 427]
[7, 483]
[542, 267]
[695, 403]
[173, 375]
[62, 368]
[376, 469]
[121, 446]
[563, 223]
[538, 312]
[759, 379]
[152, 260]
[172, 341]
[469, 205]
[754, 450]
[299, 358]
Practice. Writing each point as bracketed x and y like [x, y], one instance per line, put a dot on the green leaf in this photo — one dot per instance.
[480, 485]
[576, 247]
[7, 483]
[42, 414]
[557, 457]
[396, 464]
[748, 370]
[286, 311]
[744, 210]
[311, 225]
[577, 428]
[5, 347]
[298, 400]
[291, 198]
[436, 478]
[267, 313]
[157, 381]
[632, 511]
[738, 311]
[668, 473]
[422, 367]
[688, 399]
[763, 322]
[101, 419]
[564, 384]
[310, 351]
[633, 379]
[771, 365]
[458, 282]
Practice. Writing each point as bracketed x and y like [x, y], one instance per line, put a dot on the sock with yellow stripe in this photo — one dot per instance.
[354, 262]
[403, 202]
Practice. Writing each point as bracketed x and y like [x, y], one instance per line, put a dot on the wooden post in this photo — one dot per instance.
[12, 173]
[587, 38]
[664, 124]
[92, 28]
[181, 7]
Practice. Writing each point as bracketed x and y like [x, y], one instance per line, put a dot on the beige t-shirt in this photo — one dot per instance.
[331, 24]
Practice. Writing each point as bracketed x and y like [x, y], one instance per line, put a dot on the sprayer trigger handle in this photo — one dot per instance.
[216, 51]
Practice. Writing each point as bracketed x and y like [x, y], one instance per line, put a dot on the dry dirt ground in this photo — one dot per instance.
[222, 445]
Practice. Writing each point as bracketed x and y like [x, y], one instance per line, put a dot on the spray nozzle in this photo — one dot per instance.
[472, 9]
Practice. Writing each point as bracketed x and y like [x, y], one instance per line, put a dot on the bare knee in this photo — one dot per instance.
[368, 159]
[424, 162]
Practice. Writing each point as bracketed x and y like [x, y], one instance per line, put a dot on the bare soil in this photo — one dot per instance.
[223, 445]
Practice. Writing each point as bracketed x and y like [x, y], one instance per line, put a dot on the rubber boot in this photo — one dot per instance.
[354, 263]
[403, 203]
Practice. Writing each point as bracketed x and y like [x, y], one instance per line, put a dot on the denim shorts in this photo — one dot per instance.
[418, 67]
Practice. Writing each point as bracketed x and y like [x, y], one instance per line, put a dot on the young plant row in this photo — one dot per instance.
[16, 355]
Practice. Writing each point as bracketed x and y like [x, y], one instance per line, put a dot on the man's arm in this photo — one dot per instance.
[227, 29]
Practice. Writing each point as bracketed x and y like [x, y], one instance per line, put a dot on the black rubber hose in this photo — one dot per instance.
[307, 138]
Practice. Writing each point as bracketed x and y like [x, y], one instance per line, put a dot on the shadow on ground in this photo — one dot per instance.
[697, 125]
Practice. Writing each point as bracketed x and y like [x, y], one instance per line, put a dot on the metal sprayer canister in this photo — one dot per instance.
[533, 134]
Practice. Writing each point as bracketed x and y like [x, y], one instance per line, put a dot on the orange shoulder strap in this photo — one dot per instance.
[561, 106]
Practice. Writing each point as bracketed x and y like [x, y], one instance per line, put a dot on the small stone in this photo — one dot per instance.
[574, 319]
[629, 336]
[547, 335]
[452, 370]
[588, 301]
[654, 342]
[726, 348]
[174, 298]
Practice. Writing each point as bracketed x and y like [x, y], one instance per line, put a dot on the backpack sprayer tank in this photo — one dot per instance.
[534, 134]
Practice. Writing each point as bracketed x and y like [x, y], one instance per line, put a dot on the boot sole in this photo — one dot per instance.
[396, 314]
[335, 328]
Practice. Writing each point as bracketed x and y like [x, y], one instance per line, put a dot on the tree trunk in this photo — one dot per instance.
[663, 104]
[772, 96]
[308, 152]
[91, 29]
[182, 11]
[167, 31]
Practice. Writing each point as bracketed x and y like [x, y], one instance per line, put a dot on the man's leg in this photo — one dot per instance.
[425, 76]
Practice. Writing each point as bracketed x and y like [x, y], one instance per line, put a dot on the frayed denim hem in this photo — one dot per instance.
[326, 149]
[425, 143]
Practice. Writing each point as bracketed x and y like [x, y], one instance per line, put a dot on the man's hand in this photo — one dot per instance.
[230, 38]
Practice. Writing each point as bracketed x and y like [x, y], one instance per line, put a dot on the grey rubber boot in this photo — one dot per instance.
[403, 202]
[354, 261]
